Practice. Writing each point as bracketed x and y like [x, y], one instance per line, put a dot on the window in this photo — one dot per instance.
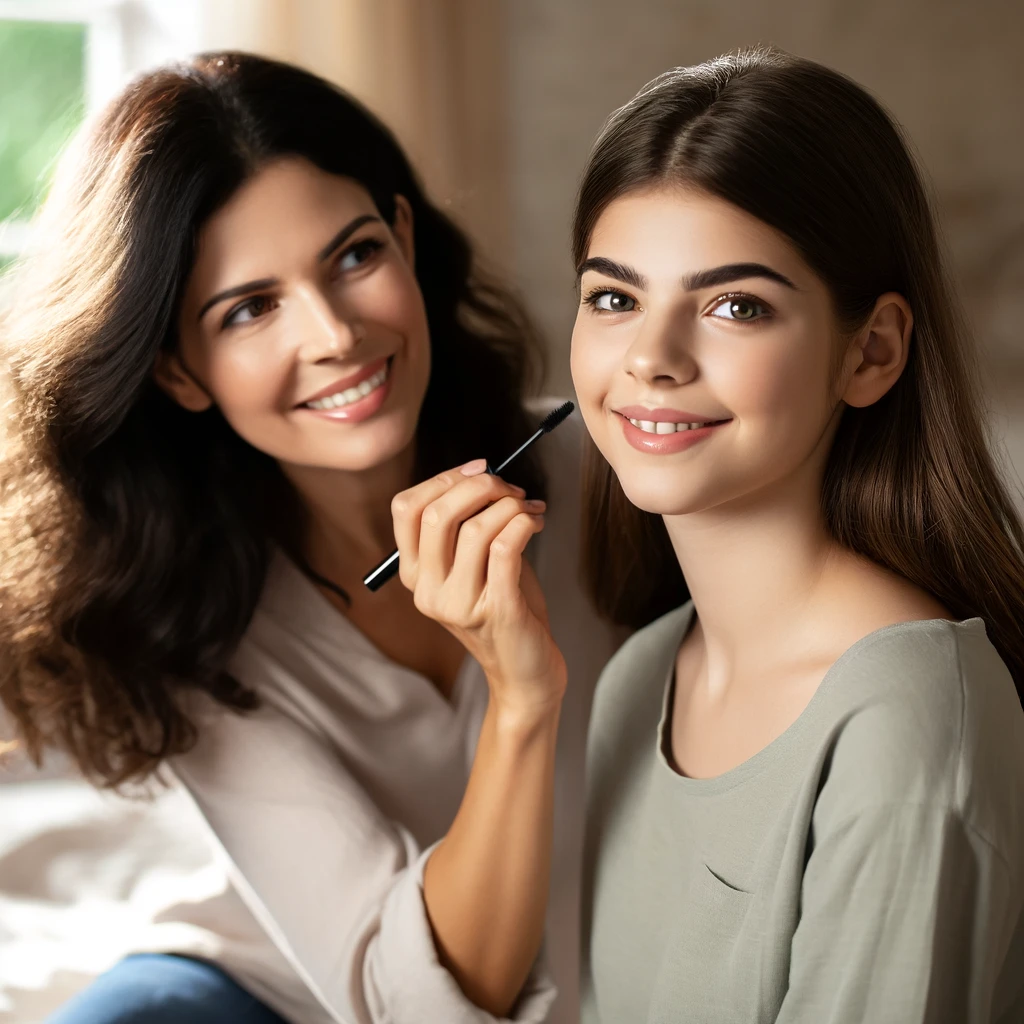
[56, 59]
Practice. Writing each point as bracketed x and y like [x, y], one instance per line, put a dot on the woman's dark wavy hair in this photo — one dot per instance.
[135, 536]
[910, 482]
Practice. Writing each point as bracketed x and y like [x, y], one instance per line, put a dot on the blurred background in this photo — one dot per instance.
[497, 102]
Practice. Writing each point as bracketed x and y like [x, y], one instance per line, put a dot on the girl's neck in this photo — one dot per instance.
[758, 573]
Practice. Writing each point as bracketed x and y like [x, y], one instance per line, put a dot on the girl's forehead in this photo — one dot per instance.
[684, 230]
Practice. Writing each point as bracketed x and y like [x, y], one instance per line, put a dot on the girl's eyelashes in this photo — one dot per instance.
[740, 307]
[736, 306]
[607, 300]
[358, 254]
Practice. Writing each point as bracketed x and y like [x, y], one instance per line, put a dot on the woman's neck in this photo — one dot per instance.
[347, 526]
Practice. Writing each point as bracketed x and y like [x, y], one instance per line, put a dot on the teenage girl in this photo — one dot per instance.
[806, 781]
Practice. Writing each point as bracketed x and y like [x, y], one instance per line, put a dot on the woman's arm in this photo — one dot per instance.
[334, 883]
[461, 538]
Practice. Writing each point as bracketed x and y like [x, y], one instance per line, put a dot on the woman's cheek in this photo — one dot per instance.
[248, 382]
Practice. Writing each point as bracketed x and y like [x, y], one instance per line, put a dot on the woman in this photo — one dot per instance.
[806, 783]
[244, 331]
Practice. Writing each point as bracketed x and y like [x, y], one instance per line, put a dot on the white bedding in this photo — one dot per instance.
[86, 878]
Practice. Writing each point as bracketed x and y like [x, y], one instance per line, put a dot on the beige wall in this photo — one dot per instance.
[950, 71]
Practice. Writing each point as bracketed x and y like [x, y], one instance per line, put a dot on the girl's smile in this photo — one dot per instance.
[662, 431]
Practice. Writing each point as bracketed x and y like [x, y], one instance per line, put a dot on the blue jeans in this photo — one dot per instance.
[152, 988]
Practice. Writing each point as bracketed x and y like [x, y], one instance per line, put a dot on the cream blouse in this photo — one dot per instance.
[325, 802]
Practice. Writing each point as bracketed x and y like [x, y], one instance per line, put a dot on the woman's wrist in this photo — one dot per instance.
[523, 719]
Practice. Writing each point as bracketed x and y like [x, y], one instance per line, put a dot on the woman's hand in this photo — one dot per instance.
[461, 537]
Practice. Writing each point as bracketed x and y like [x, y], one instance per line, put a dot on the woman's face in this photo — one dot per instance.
[702, 353]
[303, 322]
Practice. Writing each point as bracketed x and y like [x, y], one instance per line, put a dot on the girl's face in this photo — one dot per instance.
[303, 322]
[702, 352]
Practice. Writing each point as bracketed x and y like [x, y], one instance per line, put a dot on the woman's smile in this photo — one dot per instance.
[353, 398]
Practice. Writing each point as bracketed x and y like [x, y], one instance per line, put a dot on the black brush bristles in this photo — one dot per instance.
[557, 416]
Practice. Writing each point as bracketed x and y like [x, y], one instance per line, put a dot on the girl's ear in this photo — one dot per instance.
[879, 351]
[173, 378]
[403, 230]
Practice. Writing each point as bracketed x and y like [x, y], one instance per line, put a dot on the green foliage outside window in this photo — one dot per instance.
[42, 101]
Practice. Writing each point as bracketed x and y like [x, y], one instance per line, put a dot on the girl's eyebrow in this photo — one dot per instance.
[268, 282]
[603, 265]
[710, 278]
[730, 272]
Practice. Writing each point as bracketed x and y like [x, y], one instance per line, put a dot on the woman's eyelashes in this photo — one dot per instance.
[355, 257]
[358, 254]
[255, 306]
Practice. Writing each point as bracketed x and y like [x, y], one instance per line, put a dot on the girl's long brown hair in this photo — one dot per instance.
[135, 536]
[910, 481]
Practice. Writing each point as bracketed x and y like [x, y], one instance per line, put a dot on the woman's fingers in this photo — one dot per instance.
[407, 509]
[443, 520]
[473, 548]
[505, 556]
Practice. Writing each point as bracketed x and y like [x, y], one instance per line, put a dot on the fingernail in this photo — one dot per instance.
[474, 468]
[517, 490]
[535, 504]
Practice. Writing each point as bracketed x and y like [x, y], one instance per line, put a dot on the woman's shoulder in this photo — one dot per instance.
[925, 712]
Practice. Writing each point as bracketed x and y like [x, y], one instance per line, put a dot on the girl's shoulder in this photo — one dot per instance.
[926, 713]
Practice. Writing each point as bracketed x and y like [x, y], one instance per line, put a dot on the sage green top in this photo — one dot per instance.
[866, 866]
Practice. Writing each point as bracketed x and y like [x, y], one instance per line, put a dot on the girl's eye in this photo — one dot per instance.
[611, 302]
[739, 307]
[251, 309]
[362, 251]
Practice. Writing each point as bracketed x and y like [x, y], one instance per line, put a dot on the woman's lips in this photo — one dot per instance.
[361, 409]
[666, 444]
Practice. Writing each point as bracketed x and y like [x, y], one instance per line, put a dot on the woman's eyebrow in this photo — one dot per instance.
[342, 236]
[729, 272]
[268, 282]
[238, 289]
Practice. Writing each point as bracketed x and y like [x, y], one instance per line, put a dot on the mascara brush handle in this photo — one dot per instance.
[376, 578]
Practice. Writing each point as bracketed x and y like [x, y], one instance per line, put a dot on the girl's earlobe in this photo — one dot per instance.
[175, 380]
[884, 346]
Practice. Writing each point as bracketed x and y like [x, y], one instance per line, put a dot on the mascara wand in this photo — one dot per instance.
[377, 577]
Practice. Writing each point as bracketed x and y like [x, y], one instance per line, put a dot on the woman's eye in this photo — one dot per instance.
[612, 302]
[359, 253]
[251, 309]
[737, 307]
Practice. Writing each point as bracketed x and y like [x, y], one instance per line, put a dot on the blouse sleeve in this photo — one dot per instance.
[903, 919]
[337, 886]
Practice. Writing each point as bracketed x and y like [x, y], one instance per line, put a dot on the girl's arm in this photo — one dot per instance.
[905, 918]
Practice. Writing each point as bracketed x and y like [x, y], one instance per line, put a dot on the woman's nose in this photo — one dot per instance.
[327, 333]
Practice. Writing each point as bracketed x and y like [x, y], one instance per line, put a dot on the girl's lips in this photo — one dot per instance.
[362, 409]
[665, 444]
